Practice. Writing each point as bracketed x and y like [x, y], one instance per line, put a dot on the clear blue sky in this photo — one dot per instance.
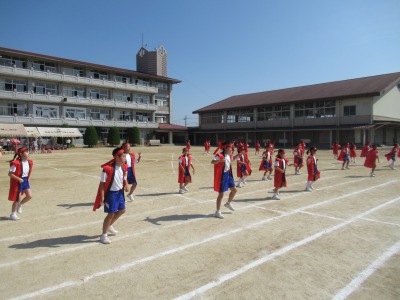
[218, 48]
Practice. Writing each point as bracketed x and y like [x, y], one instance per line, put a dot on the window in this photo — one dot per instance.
[100, 114]
[320, 109]
[98, 94]
[45, 111]
[161, 119]
[13, 109]
[98, 74]
[122, 96]
[122, 78]
[74, 91]
[75, 113]
[142, 82]
[241, 116]
[349, 110]
[161, 100]
[124, 115]
[45, 88]
[44, 66]
[74, 71]
[141, 98]
[212, 118]
[13, 85]
[161, 85]
[9, 61]
[142, 117]
[273, 112]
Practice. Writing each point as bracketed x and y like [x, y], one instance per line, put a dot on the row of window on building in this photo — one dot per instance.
[43, 88]
[52, 111]
[43, 66]
[320, 109]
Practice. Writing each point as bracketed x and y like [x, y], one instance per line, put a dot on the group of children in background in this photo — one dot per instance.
[119, 173]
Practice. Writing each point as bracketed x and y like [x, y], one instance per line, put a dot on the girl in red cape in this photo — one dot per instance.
[335, 150]
[111, 192]
[298, 154]
[223, 178]
[345, 156]
[20, 173]
[365, 149]
[370, 160]
[257, 148]
[243, 167]
[392, 156]
[266, 162]
[353, 152]
[184, 177]
[313, 173]
[279, 173]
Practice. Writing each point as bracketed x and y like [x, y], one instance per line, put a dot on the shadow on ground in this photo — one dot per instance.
[68, 206]
[156, 221]
[57, 242]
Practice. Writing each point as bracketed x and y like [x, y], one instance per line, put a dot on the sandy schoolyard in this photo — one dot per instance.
[340, 241]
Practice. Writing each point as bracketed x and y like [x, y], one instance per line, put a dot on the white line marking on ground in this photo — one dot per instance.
[320, 215]
[217, 237]
[358, 281]
[381, 222]
[172, 163]
[280, 252]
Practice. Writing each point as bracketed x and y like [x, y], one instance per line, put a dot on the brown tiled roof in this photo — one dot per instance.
[77, 62]
[171, 126]
[352, 88]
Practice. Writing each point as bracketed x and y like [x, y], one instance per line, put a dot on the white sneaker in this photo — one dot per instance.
[112, 230]
[228, 205]
[239, 185]
[269, 177]
[181, 191]
[19, 209]
[263, 178]
[307, 189]
[104, 239]
[311, 187]
[130, 197]
[14, 217]
[372, 174]
[185, 188]
[297, 173]
[276, 197]
[244, 182]
[218, 214]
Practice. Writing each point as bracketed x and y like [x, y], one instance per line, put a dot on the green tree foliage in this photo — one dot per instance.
[90, 137]
[114, 137]
[133, 135]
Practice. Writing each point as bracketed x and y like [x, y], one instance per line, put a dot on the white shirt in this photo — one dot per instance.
[186, 161]
[118, 182]
[25, 169]
[227, 162]
[129, 160]
[283, 164]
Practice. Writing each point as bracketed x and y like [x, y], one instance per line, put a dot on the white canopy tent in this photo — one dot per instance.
[12, 130]
[32, 132]
[59, 132]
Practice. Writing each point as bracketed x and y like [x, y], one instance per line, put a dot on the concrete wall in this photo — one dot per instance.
[388, 105]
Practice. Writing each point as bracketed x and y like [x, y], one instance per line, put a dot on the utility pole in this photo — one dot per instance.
[185, 121]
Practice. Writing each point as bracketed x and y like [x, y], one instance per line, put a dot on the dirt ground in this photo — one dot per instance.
[340, 241]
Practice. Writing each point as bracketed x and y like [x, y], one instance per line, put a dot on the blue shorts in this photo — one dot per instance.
[24, 185]
[346, 158]
[267, 165]
[227, 182]
[186, 172]
[394, 157]
[131, 178]
[114, 202]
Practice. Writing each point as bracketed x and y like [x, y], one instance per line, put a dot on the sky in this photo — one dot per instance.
[217, 48]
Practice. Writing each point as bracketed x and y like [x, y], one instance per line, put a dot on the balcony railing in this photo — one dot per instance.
[53, 99]
[75, 122]
[48, 76]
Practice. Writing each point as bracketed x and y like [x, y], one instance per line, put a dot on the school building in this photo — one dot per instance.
[355, 110]
[43, 90]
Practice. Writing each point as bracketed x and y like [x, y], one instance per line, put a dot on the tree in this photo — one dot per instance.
[114, 136]
[90, 137]
[133, 134]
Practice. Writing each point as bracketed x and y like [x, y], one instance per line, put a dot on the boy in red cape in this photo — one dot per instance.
[345, 156]
[111, 192]
[335, 150]
[258, 145]
[131, 160]
[243, 167]
[184, 177]
[20, 174]
[313, 173]
[392, 156]
[266, 162]
[353, 152]
[223, 178]
[370, 160]
[279, 173]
